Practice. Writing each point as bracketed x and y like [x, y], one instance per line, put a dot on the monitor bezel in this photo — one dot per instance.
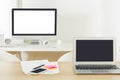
[36, 9]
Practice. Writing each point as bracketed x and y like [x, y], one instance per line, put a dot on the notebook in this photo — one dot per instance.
[95, 56]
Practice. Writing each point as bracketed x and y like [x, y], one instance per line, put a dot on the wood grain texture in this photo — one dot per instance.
[12, 71]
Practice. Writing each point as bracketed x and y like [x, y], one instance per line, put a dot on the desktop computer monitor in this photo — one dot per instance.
[34, 23]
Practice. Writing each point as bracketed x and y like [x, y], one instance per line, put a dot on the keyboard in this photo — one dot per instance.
[90, 67]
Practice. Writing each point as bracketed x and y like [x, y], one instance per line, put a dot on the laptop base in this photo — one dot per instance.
[97, 71]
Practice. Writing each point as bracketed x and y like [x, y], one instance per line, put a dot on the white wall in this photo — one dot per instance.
[75, 17]
[84, 18]
[110, 21]
[5, 16]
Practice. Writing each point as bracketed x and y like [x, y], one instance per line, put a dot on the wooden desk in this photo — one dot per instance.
[12, 71]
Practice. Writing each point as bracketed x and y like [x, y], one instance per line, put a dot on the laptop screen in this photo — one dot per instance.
[94, 50]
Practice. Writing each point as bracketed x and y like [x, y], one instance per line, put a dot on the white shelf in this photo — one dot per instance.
[24, 48]
[63, 47]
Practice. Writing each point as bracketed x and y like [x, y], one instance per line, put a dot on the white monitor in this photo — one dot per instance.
[34, 23]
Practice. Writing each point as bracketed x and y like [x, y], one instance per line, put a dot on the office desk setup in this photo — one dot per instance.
[13, 71]
[46, 52]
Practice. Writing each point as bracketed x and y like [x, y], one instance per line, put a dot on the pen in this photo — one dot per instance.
[38, 66]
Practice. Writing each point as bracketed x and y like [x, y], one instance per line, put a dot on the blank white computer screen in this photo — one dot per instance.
[34, 21]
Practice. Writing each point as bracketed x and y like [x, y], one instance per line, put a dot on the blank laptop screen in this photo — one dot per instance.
[94, 50]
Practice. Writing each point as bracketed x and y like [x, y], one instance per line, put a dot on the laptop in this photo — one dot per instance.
[95, 56]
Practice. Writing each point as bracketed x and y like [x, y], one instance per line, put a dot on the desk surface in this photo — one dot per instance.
[63, 47]
[12, 71]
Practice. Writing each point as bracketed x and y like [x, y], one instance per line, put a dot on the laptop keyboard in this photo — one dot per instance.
[89, 66]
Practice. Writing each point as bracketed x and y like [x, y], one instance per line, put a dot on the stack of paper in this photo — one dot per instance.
[50, 67]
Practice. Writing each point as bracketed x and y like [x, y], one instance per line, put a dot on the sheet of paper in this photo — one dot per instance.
[28, 66]
[51, 67]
